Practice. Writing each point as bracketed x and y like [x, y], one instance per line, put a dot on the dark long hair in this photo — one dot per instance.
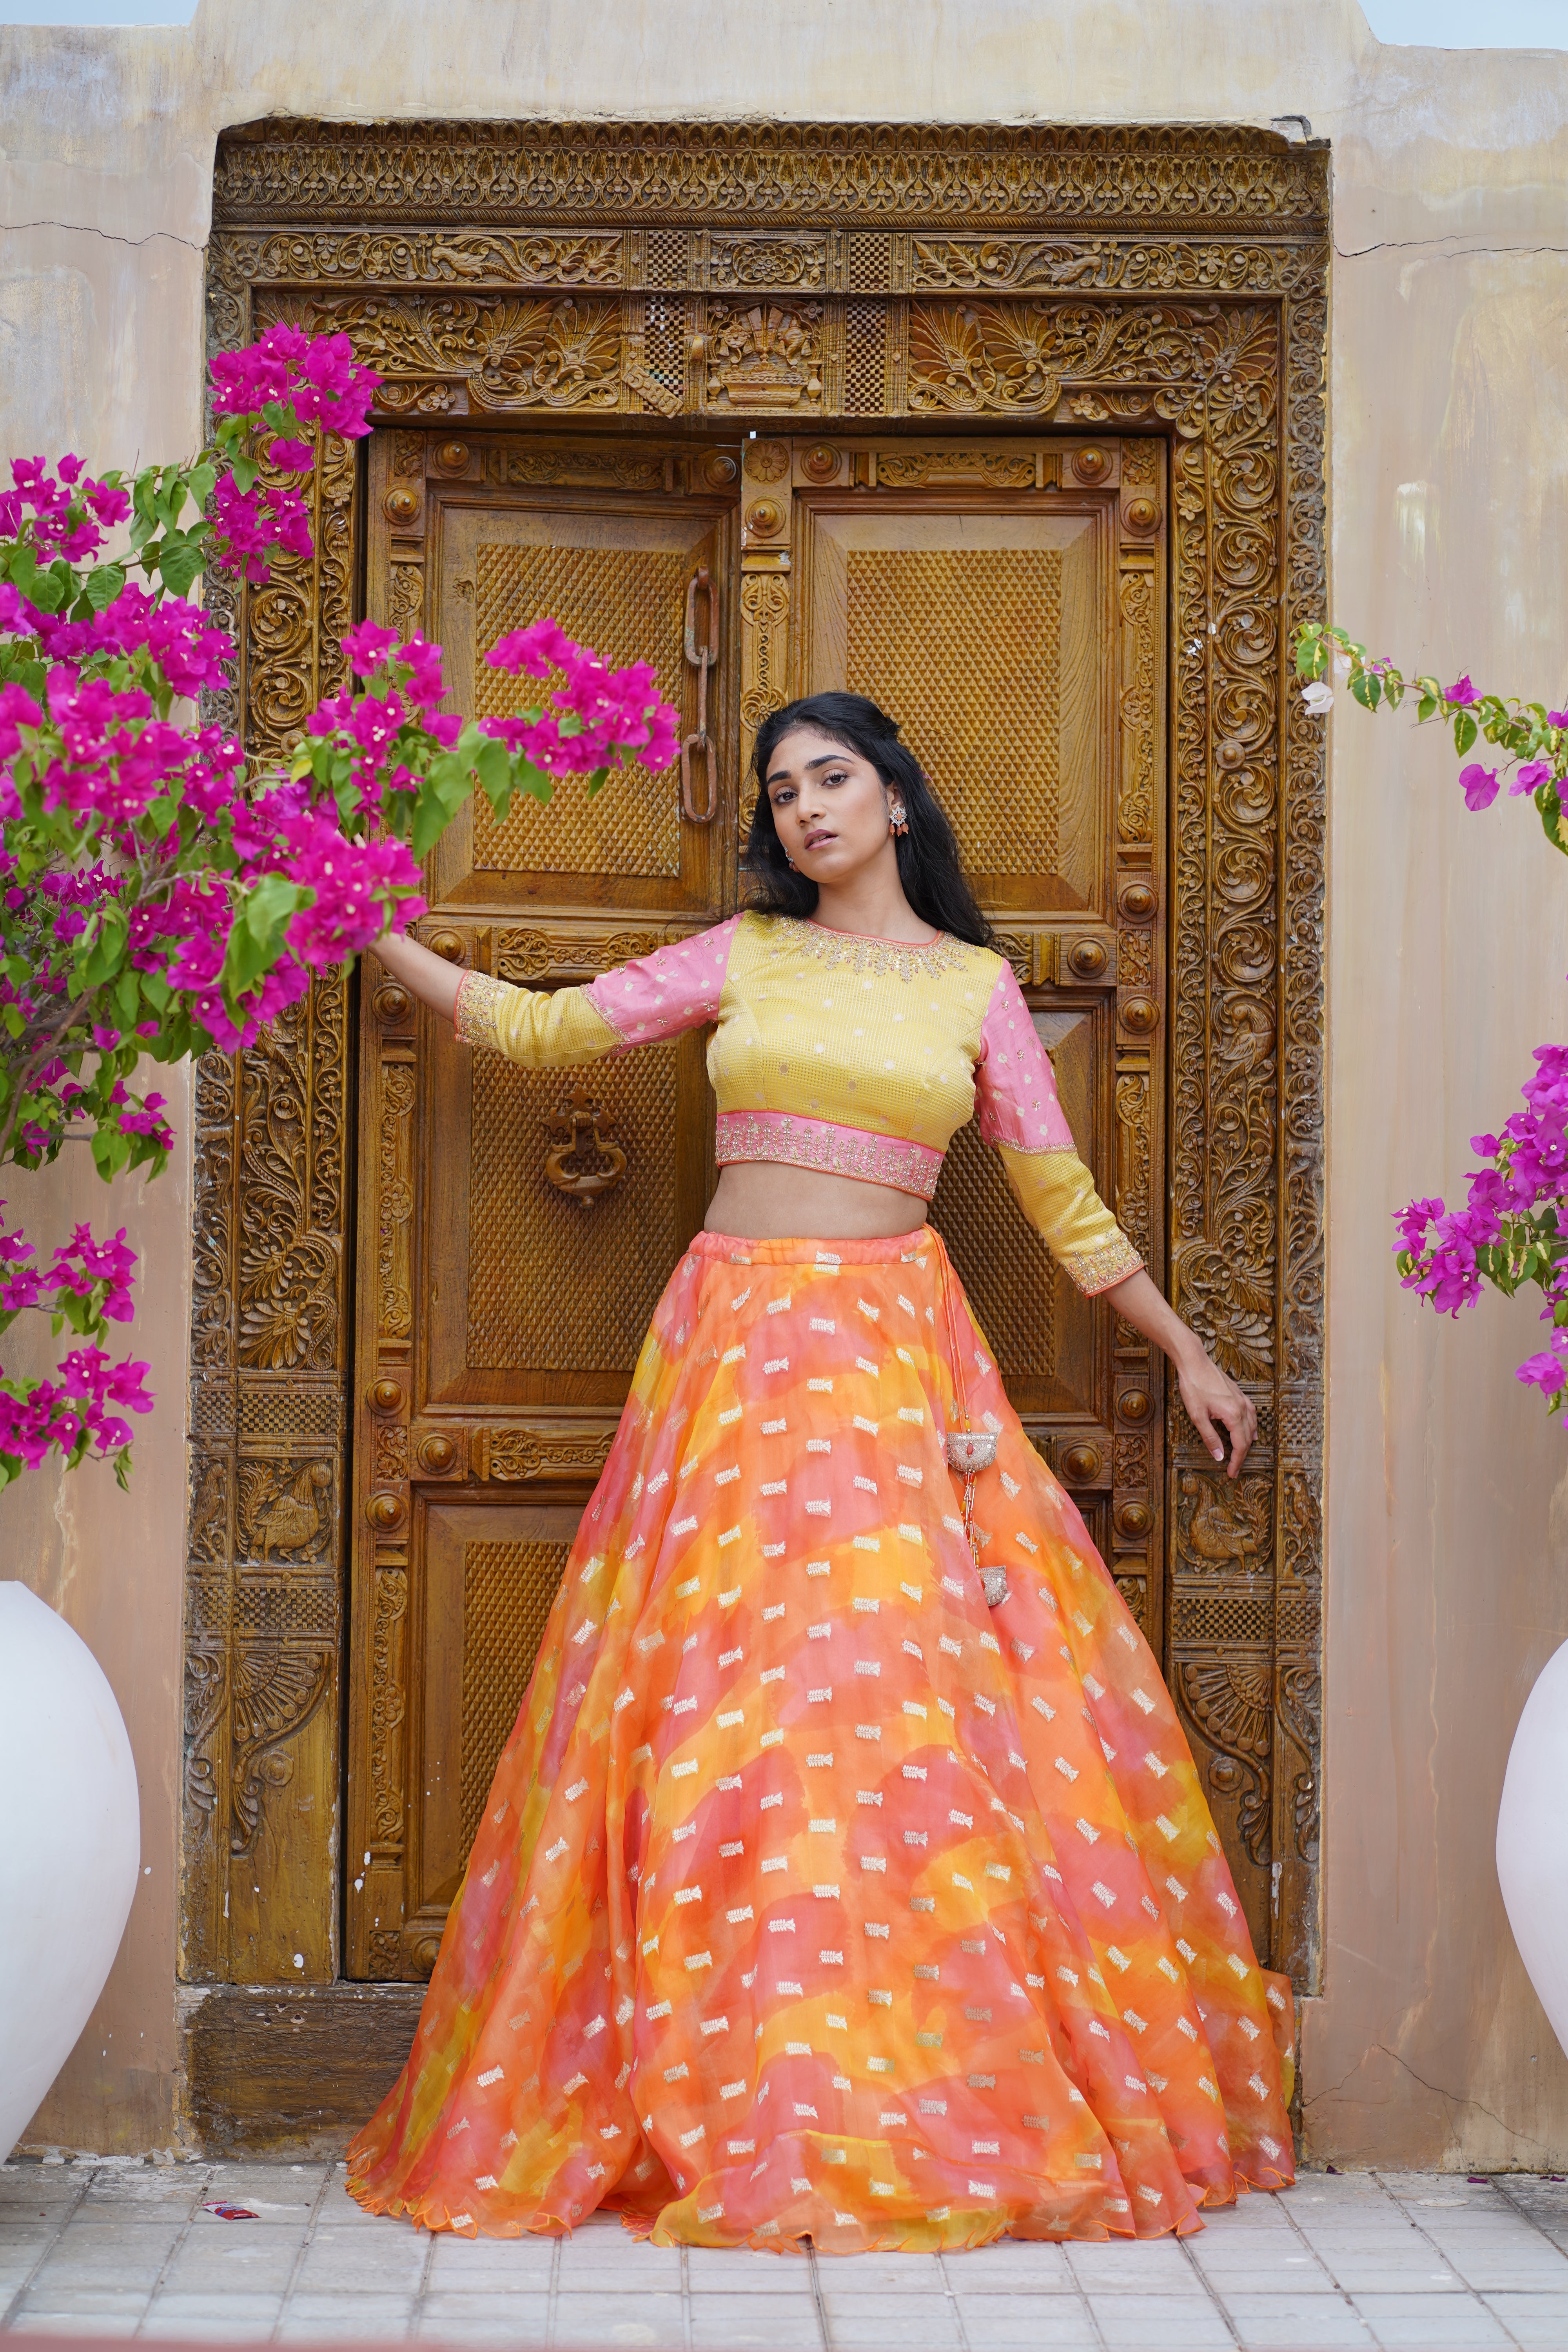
[929, 868]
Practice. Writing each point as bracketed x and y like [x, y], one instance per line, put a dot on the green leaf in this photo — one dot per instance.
[595, 779]
[180, 562]
[492, 765]
[245, 469]
[536, 781]
[103, 585]
[107, 952]
[48, 591]
[446, 785]
[1465, 731]
[22, 570]
[202, 480]
[256, 941]
[128, 997]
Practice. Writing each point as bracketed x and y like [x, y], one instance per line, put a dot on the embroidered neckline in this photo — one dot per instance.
[908, 959]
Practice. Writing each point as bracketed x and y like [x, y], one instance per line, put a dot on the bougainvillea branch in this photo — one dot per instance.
[156, 896]
[1512, 1229]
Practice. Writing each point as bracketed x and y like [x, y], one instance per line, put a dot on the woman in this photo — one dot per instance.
[846, 1875]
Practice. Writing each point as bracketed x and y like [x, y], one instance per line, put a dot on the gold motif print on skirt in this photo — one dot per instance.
[814, 1897]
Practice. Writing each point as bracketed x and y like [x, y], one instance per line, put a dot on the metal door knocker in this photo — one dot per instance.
[585, 1185]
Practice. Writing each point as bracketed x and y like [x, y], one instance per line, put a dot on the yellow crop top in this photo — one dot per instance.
[858, 1057]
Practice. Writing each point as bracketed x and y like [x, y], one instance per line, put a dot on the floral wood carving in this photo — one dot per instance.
[388, 1705]
[510, 353]
[1229, 1702]
[765, 355]
[755, 261]
[516, 1453]
[1179, 292]
[436, 260]
[735, 173]
[527, 957]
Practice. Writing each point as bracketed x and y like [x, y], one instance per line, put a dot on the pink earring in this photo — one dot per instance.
[898, 823]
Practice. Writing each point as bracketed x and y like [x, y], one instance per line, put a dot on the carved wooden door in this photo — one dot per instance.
[1005, 600]
[516, 1227]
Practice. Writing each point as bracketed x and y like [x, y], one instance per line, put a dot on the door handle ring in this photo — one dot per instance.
[702, 658]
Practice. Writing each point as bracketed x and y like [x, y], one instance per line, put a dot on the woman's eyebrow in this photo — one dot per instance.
[828, 760]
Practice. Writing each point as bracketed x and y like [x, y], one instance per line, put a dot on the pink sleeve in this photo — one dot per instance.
[659, 995]
[1014, 1089]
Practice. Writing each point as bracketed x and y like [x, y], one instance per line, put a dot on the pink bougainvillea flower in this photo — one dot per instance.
[318, 377]
[1461, 692]
[291, 456]
[1557, 719]
[543, 646]
[1545, 1372]
[1480, 785]
[1526, 779]
[426, 685]
[1414, 1221]
[367, 646]
[17, 708]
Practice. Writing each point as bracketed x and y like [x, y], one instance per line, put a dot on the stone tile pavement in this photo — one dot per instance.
[1416, 2262]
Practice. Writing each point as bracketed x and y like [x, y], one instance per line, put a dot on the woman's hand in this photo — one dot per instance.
[1210, 1397]
[426, 976]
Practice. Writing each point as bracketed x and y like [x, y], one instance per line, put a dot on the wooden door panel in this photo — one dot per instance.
[537, 1300]
[500, 1318]
[614, 575]
[985, 632]
[1005, 601]
[488, 1579]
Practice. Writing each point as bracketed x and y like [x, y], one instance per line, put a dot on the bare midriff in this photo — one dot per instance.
[767, 1201]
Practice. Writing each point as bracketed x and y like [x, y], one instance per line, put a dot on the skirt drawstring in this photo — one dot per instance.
[969, 1451]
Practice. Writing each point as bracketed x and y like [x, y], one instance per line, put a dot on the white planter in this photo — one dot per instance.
[1532, 1839]
[70, 1847]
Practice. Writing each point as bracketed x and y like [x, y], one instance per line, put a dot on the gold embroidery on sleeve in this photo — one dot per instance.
[474, 1016]
[1094, 1270]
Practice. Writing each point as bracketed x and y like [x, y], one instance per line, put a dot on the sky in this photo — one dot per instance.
[1443, 24]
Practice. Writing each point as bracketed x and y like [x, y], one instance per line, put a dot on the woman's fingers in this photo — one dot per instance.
[1240, 1417]
[1198, 1413]
[1219, 1400]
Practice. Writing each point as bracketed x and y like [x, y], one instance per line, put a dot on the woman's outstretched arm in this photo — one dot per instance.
[1208, 1395]
[434, 981]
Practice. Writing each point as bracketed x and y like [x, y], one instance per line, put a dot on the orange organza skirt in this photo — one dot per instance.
[814, 1897]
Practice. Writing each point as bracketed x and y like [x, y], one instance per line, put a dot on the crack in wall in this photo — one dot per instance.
[81, 228]
[1446, 248]
[1438, 2090]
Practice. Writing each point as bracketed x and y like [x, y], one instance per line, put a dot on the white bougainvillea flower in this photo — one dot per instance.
[1317, 696]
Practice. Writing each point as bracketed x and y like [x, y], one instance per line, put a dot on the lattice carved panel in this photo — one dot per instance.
[1003, 1263]
[506, 1591]
[965, 644]
[628, 603]
[551, 1284]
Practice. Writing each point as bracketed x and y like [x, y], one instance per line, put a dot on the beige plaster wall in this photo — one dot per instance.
[1448, 1569]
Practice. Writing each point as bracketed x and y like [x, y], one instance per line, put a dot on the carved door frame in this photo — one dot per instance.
[884, 279]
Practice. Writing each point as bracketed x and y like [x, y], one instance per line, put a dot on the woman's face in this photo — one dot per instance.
[831, 809]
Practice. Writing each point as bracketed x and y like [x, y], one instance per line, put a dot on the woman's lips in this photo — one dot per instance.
[816, 840]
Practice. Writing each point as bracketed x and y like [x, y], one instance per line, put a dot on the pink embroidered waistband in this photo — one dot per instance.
[838, 1151]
